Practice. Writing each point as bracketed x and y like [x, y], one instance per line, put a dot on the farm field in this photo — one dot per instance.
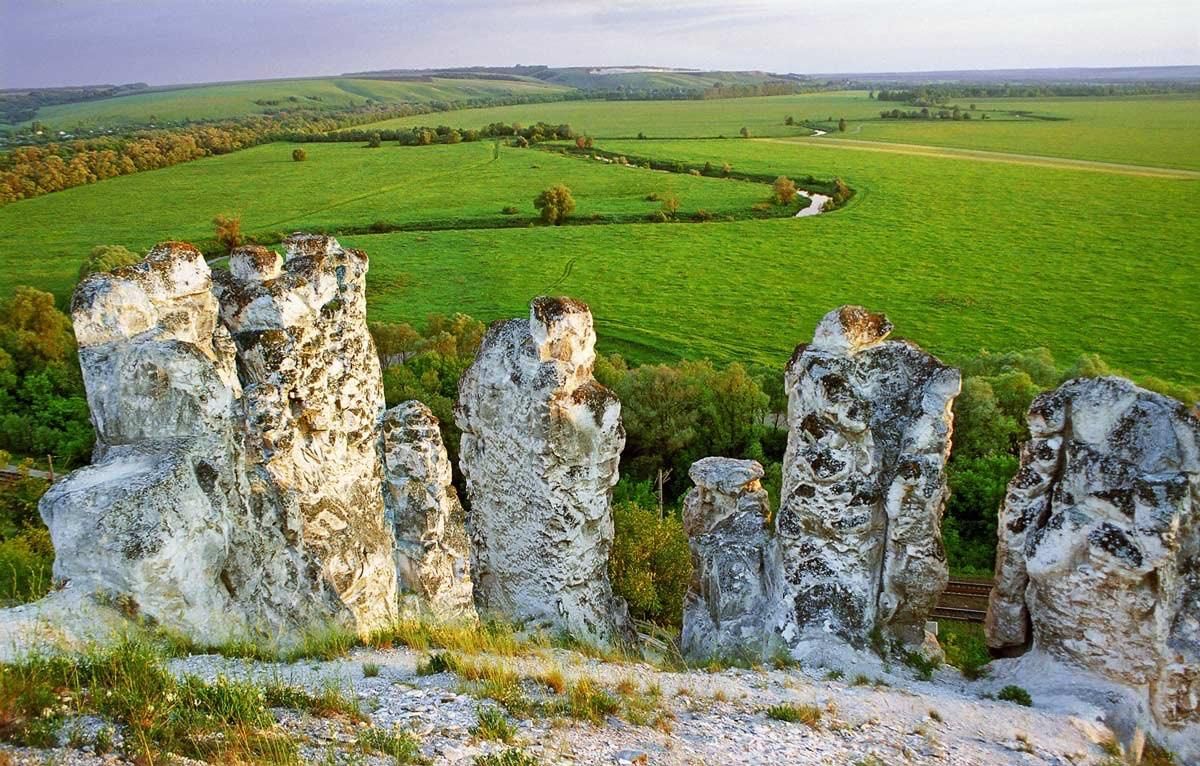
[763, 115]
[229, 100]
[1151, 130]
[339, 186]
[963, 254]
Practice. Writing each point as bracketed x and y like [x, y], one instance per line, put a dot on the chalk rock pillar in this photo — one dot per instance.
[1099, 556]
[432, 554]
[540, 445]
[731, 599]
[864, 482]
[150, 521]
[313, 397]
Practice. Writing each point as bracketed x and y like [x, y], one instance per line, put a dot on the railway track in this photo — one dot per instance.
[963, 600]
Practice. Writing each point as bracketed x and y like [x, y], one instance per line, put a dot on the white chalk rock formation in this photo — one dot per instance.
[540, 445]
[730, 604]
[313, 400]
[864, 483]
[427, 520]
[151, 520]
[236, 488]
[1098, 563]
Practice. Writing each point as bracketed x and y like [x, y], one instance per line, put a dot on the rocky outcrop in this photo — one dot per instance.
[864, 483]
[152, 519]
[1099, 555]
[539, 451]
[236, 488]
[427, 520]
[731, 602]
[312, 400]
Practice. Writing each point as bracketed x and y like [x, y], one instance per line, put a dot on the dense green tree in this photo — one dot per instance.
[107, 258]
[555, 204]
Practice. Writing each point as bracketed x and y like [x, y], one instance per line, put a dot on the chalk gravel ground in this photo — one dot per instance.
[719, 717]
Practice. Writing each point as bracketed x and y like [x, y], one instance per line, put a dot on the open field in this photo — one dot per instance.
[1149, 130]
[764, 116]
[211, 102]
[963, 252]
[962, 255]
[339, 186]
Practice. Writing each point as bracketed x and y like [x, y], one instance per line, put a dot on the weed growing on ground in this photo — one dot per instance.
[493, 724]
[834, 675]
[1015, 694]
[401, 746]
[370, 669]
[509, 757]
[810, 715]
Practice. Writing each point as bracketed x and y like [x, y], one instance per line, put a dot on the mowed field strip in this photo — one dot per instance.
[979, 155]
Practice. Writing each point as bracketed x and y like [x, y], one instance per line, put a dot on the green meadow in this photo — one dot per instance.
[230, 100]
[964, 254]
[764, 115]
[339, 186]
[1148, 130]
[1151, 130]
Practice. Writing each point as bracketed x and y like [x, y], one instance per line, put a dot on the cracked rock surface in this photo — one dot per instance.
[1098, 563]
[864, 483]
[540, 444]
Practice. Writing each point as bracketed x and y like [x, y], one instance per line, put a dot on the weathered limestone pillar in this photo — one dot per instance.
[432, 553]
[864, 482]
[540, 445]
[313, 397]
[1099, 556]
[149, 523]
[731, 601]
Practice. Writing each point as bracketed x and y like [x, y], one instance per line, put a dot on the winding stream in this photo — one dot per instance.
[815, 207]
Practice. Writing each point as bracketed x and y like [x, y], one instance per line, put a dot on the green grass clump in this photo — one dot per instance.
[965, 647]
[861, 680]
[510, 757]
[128, 684]
[923, 666]
[835, 675]
[401, 746]
[1012, 693]
[370, 669]
[493, 724]
[586, 700]
[810, 715]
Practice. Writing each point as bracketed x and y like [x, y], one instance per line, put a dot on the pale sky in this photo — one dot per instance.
[60, 42]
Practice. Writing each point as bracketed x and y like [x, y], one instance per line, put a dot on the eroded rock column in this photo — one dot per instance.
[432, 553]
[313, 399]
[150, 522]
[864, 482]
[540, 446]
[731, 602]
[1099, 555]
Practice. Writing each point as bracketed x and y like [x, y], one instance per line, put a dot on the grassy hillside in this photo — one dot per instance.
[339, 185]
[963, 254]
[764, 116]
[1151, 130]
[209, 102]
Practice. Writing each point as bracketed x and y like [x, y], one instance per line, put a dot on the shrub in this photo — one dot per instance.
[784, 190]
[702, 216]
[299, 155]
[228, 231]
[374, 141]
[1015, 694]
[555, 204]
[965, 647]
[670, 204]
[509, 210]
[107, 258]
[650, 563]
